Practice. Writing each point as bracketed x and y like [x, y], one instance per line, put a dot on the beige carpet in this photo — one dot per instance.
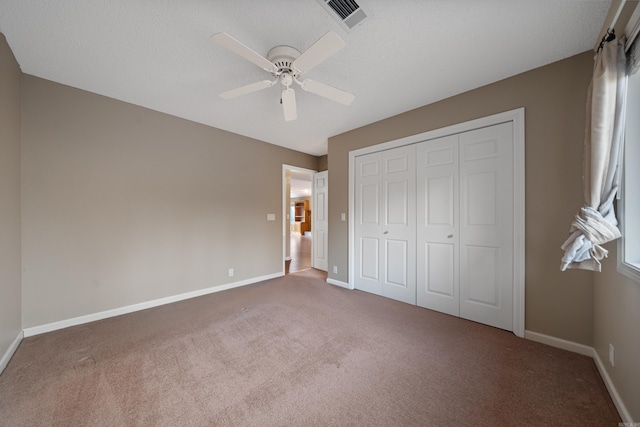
[296, 351]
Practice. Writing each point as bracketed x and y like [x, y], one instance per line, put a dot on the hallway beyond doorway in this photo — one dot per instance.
[300, 252]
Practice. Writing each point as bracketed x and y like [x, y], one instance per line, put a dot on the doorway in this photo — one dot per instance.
[298, 224]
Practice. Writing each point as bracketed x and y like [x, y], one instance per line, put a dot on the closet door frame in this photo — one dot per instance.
[517, 118]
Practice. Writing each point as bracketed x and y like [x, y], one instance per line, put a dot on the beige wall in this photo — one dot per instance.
[617, 321]
[10, 262]
[323, 163]
[123, 205]
[559, 304]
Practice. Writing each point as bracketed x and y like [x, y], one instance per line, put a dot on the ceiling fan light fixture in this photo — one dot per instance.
[286, 79]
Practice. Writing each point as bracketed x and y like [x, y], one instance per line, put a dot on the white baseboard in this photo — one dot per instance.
[338, 283]
[574, 347]
[49, 327]
[9, 353]
[585, 350]
[613, 392]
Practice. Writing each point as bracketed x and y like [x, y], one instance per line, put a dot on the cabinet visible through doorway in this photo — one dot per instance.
[302, 215]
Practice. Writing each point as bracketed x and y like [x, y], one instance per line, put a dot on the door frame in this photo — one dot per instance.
[314, 220]
[516, 116]
[285, 210]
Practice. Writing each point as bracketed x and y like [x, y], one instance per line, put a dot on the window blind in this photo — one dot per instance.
[632, 46]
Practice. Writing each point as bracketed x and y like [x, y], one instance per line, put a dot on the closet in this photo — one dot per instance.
[434, 224]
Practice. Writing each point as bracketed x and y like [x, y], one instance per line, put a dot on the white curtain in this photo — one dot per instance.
[596, 222]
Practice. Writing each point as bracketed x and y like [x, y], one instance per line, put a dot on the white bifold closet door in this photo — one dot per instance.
[438, 230]
[434, 224]
[385, 215]
[465, 225]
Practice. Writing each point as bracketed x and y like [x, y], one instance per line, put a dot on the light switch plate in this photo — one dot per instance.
[271, 217]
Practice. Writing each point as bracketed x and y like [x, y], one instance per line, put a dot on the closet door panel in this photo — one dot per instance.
[486, 227]
[399, 224]
[368, 214]
[385, 224]
[369, 268]
[437, 225]
[396, 268]
[440, 272]
[482, 266]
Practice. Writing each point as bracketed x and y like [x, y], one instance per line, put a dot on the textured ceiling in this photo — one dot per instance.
[159, 54]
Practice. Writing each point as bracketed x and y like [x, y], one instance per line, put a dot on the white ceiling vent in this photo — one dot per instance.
[347, 12]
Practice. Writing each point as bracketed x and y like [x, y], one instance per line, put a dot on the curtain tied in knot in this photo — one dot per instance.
[595, 228]
[589, 230]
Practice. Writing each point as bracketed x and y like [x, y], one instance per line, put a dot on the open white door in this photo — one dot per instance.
[320, 221]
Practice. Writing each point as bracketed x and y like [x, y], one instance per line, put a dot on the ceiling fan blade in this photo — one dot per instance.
[327, 91]
[247, 53]
[322, 49]
[289, 104]
[253, 87]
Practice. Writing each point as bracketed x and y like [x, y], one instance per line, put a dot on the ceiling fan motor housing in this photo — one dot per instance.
[283, 57]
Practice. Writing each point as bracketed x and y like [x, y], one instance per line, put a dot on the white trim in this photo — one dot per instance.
[516, 116]
[625, 268]
[519, 221]
[613, 392]
[572, 346]
[49, 327]
[12, 349]
[352, 220]
[338, 283]
[629, 270]
[585, 350]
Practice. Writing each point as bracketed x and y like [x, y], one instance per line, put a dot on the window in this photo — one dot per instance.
[629, 248]
[629, 206]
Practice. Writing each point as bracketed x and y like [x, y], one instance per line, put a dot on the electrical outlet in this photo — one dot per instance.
[612, 355]
[335, 269]
[231, 272]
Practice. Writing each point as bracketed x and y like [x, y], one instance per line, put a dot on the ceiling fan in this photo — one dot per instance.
[286, 65]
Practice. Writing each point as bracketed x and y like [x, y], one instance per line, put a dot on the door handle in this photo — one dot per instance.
[386, 232]
[450, 236]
